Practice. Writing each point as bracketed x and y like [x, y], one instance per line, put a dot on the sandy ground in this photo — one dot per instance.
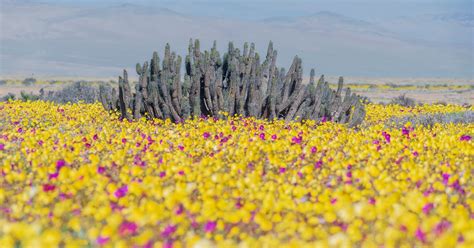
[17, 89]
[423, 96]
[375, 95]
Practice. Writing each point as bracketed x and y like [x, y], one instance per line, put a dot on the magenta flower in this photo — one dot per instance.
[372, 201]
[162, 174]
[20, 130]
[101, 170]
[102, 240]
[121, 192]
[445, 178]
[318, 164]
[375, 142]
[420, 235]
[415, 153]
[128, 227]
[297, 140]
[124, 140]
[314, 149]
[168, 244]
[282, 170]
[441, 227]
[333, 200]
[324, 119]
[180, 147]
[48, 187]
[180, 210]
[210, 226]
[95, 137]
[60, 163]
[465, 138]
[2, 147]
[206, 135]
[428, 207]
[168, 231]
[386, 136]
[262, 136]
[181, 173]
[274, 137]
[53, 175]
[405, 131]
[261, 128]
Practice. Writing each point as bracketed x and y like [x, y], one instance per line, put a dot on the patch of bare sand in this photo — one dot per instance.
[422, 96]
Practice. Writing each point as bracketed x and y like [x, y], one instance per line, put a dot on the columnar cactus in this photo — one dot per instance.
[236, 83]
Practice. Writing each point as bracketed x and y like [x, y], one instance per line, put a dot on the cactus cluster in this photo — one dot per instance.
[238, 83]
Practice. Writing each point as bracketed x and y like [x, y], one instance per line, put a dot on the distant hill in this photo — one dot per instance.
[83, 40]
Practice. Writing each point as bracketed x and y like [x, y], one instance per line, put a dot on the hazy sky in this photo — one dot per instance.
[256, 9]
[403, 38]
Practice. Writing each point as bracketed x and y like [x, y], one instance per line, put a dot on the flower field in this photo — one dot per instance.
[74, 176]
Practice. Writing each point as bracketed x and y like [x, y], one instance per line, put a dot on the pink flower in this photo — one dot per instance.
[121, 192]
[168, 244]
[386, 136]
[60, 163]
[180, 210]
[168, 231]
[102, 240]
[128, 228]
[333, 200]
[48, 187]
[427, 208]
[441, 227]
[318, 164]
[420, 235]
[405, 131]
[210, 226]
[297, 140]
[445, 178]
[53, 175]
